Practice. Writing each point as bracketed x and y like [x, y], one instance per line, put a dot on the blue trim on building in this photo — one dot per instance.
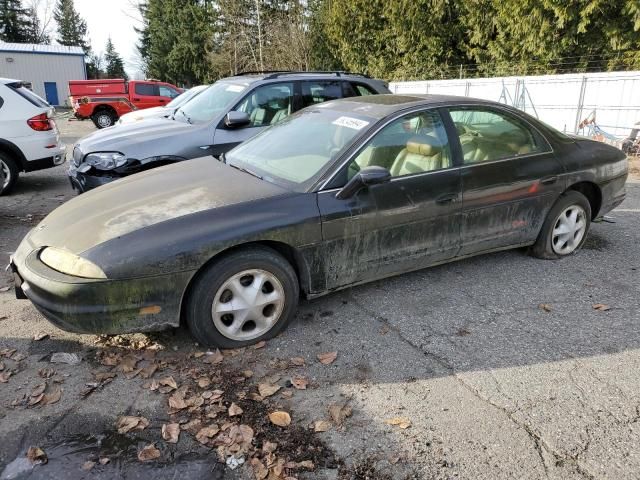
[42, 53]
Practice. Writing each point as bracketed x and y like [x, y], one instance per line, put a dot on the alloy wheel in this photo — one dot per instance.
[104, 120]
[569, 230]
[7, 174]
[248, 305]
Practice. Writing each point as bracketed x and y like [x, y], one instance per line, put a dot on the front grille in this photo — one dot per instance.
[77, 156]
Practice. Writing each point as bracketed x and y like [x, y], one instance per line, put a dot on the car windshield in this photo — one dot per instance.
[296, 151]
[186, 96]
[210, 103]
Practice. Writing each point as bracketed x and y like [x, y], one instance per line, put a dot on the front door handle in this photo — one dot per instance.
[136, 99]
[446, 198]
[549, 180]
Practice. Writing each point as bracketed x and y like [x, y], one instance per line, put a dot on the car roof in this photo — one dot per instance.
[380, 106]
[257, 76]
[4, 81]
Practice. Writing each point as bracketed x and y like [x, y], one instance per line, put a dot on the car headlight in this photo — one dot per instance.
[106, 160]
[71, 264]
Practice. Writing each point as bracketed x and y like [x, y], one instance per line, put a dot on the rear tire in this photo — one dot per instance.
[242, 298]
[11, 173]
[104, 119]
[565, 228]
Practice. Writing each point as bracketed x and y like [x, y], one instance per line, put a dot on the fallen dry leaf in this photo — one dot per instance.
[259, 470]
[204, 434]
[40, 336]
[269, 447]
[259, 345]
[399, 422]
[52, 397]
[214, 358]
[247, 373]
[297, 361]
[601, 307]
[147, 372]
[321, 426]
[150, 452]
[339, 413]
[128, 363]
[300, 383]
[327, 358]
[88, 465]
[171, 432]
[279, 418]
[176, 401]
[168, 382]
[235, 410]
[545, 307]
[104, 460]
[36, 456]
[267, 389]
[127, 423]
[44, 372]
[4, 377]
[204, 382]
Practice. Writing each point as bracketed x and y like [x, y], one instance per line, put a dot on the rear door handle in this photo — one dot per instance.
[549, 180]
[446, 198]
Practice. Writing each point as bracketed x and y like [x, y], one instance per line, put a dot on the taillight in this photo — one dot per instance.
[41, 123]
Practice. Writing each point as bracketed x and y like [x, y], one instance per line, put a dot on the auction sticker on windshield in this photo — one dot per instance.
[350, 122]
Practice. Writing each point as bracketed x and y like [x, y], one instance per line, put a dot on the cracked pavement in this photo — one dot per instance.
[494, 386]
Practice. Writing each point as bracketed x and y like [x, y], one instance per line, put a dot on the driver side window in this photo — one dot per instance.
[268, 104]
[412, 144]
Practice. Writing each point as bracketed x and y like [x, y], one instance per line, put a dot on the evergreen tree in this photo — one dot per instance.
[144, 41]
[14, 22]
[72, 28]
[114, 66]
[35, 32]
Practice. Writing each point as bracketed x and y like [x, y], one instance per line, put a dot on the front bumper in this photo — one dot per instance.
[84, 181]
[99, 306]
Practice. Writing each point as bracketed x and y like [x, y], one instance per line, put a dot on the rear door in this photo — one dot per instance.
[145, 95]
[313, 92]
[510, 178]
[265, 105]
[405, 224]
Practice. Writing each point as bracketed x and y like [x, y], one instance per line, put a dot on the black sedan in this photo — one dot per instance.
[343, 193]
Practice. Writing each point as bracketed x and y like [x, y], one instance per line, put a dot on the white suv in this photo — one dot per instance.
[29, 138]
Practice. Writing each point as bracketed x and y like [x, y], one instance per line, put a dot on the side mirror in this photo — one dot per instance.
[364, 178]
[235, 119]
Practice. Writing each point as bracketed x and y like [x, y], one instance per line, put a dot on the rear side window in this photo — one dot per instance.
[486, 135]
[320, 91]
[28, 95]
[147, 89]
[362, 90]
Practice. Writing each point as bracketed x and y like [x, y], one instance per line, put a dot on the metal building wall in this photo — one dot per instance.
[562, 101]
[38, 68]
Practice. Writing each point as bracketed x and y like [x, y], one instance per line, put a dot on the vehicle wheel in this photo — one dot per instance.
[10, 173]
[103, 118]
[244, 297]
[566, 227]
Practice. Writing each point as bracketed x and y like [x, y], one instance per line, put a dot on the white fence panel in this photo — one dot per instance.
[559, 100]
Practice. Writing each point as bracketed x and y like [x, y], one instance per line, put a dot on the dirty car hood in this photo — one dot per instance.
[121, 137]
[146, 199]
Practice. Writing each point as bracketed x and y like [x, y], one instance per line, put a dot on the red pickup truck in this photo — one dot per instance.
[104, 101]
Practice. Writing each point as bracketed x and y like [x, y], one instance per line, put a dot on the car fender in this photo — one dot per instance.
[12, 148]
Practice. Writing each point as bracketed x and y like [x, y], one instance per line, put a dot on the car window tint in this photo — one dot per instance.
[145, 89]
[363, 89]
[168, 92]
[415, 143]
[486, 135]
[268, 104]
[320, 91]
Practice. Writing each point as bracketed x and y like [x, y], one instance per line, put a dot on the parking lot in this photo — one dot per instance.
[493, 367]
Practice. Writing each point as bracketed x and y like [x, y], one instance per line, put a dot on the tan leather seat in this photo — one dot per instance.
[421, 154]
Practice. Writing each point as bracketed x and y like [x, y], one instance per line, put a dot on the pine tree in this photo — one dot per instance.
[72, 28]
[14, 22]
[143, 45]
[114, 66]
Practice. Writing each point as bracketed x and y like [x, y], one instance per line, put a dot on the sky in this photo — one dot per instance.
[115, 18]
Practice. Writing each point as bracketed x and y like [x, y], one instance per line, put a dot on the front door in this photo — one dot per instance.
[510, 178]
[51, 92]
[408, 223]
[145, 95]
[265, 106]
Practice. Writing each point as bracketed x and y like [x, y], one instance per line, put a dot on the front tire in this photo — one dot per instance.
[242, 298]
[565, 228]
[10, 170]
[103, 119]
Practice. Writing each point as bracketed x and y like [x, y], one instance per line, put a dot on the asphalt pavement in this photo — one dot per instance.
[494, 367]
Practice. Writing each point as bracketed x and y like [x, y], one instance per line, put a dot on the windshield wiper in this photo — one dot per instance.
[245, 170]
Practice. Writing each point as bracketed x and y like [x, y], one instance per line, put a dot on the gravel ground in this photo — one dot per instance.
[493, 386]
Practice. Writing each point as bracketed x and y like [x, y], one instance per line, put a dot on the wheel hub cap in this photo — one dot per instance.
[248, 304]
[104, 120]
[569, 230]
[7, 174]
